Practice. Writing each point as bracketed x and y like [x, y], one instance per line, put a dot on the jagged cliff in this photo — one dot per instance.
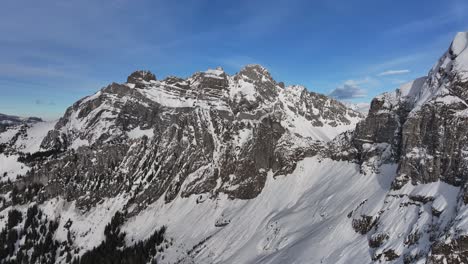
[210, 133]
[422, 127]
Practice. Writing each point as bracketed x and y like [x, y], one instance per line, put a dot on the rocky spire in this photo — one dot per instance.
[138, 77]
[256, 72]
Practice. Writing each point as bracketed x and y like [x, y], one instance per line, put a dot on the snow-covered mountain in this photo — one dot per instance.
[359, 107]
[20, 136]
[241, 169]
[9, 120]
[422, 127]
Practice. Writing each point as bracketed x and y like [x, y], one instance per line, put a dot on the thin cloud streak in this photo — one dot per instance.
[393, 72]
[18, 70]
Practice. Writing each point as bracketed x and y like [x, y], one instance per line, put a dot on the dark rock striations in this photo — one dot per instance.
[208, 134]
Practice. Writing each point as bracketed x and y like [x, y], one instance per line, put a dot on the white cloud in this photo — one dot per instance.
[42, 102]
[349, 90]
[393, 72]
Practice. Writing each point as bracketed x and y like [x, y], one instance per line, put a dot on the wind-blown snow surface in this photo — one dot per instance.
[29, 137]
[25, 139]
[10, 168]
[35, 134]
[88, 227]
[298, 218]
[459, 49]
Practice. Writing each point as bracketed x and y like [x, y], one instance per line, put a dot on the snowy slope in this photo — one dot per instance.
[31, 141]
[27, 138]
[298, 218]
[17, 140]
[10, 168]
[422, 126]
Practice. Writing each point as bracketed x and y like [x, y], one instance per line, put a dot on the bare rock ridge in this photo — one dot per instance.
[139, 76]
[424, 122]
[422, 127]
[210, 133]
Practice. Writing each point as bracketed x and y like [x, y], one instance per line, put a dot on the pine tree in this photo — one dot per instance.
[14, 217]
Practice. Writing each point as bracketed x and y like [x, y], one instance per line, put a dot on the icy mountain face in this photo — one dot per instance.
[131, 146]
[424, 122]
[422, 126]
[208, 134]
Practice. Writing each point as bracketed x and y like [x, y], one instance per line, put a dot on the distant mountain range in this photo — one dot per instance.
[9, 120]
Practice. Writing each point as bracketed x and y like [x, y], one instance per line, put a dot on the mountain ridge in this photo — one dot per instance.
[242, 169]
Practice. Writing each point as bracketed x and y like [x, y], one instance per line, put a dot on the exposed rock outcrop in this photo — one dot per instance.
[208, 134]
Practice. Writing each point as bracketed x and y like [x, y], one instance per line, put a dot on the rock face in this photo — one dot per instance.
[208, 134]
[140, 78]
[425, 121]
[422, 126]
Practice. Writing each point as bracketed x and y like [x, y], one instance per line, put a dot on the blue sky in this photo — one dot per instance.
[54, 52]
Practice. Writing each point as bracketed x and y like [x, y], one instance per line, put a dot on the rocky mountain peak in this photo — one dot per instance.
[209, 79]
[139, 77]
[296, 89]
[258, 76]
[453, 64]
[256, 72]
[445, 84]
[217, 73]
[421, 127]
[229, 130]
[459, 43]
[405, 120]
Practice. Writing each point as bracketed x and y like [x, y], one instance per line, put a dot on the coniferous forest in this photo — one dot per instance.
[30, 238]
